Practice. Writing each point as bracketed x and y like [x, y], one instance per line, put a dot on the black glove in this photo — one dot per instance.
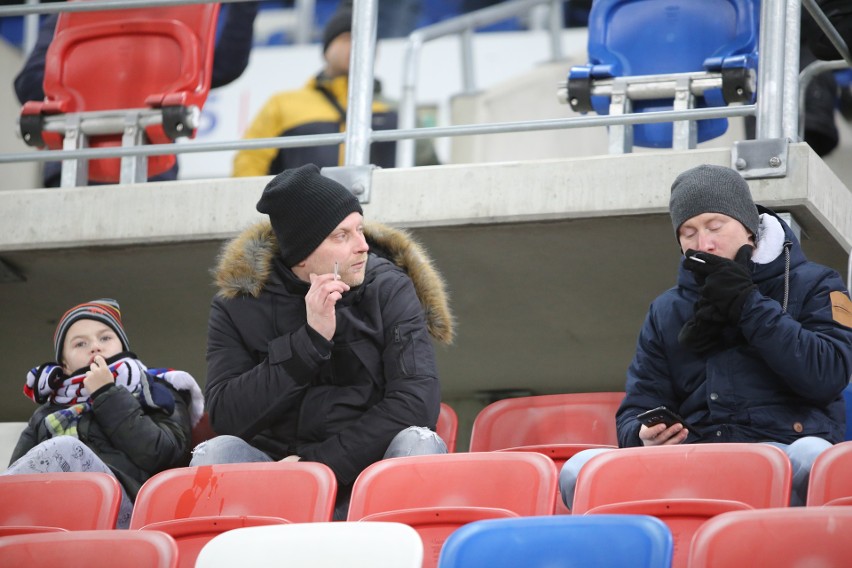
[703, 331]
[726, 283]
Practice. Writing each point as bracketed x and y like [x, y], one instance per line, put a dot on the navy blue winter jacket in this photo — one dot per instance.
[780, 375]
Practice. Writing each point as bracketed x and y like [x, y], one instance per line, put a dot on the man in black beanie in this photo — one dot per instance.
[753, 344]
[319, 349]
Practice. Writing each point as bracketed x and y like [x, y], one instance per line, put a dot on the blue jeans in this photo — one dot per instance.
[802, 454]
[64, 454]
[413, 441]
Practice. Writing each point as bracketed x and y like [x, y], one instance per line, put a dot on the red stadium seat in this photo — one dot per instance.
[793, 536]
[448, 426]
[123, 77]
[92, 549]
[684, 485]
[194, 504]
[436, 494]
[557, 425]
[71, 501]
[831, 477]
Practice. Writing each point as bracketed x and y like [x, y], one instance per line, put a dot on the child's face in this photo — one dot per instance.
[85, 339]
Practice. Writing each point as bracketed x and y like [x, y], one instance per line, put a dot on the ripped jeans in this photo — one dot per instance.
[64, 454]
[413, 441]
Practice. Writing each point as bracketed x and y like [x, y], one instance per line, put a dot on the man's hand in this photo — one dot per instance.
[325, 291]
[99, 375]
[659, 435]
[703, 331]
[726, 283]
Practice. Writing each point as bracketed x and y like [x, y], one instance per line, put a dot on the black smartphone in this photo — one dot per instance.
[660, 414]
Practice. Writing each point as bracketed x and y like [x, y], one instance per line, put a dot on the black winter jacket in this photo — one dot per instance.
[133, 442]
[268, 384]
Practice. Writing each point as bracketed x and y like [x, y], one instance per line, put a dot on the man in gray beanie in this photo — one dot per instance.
[753, 344]
[318, 349]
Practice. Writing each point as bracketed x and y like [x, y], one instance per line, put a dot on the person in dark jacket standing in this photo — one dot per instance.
[752, 345]
[318, 347]
[102, 410]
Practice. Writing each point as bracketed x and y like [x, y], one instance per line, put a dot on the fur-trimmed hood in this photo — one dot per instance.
[245, 265]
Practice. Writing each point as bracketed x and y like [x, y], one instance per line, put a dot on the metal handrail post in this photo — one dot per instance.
[359, 115]
[405, 149]
[790, 103]
[304, 20]
[557, 16]
[468, 79]
[31, 23]
[770, 69]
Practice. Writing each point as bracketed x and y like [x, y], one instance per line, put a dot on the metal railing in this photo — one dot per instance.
[462, 26]
[776, 117]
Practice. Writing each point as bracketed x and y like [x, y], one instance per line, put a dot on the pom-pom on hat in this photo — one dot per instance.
[712, 189]
[340, 22]
[304, 207]
[104, 310]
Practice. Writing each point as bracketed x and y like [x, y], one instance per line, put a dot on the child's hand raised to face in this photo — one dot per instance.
[99, 375]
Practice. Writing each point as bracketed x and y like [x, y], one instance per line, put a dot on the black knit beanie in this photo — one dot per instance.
[712, 189]
[304, 207]
[339, 22]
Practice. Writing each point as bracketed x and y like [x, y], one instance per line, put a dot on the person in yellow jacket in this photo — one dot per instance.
[317, 108]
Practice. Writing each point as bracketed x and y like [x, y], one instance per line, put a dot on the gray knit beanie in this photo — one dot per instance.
[304, 207]
[712, 189]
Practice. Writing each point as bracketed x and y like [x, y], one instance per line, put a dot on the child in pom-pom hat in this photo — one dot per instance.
[101, 409]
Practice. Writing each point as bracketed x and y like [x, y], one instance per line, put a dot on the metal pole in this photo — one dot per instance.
[385, 135]
[31, 22]
[405, 149]
[771, 69]
[555, 29]
[468, 81]
[304, 21]
[790, 110]
[359, 115]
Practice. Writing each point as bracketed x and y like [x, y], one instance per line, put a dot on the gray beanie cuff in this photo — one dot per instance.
[712, 189]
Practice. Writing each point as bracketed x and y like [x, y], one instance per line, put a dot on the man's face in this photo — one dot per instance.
[337, 55]
[345, 245]
[714, 233]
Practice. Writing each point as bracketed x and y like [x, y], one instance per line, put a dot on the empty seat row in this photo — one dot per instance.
[683, 486]
[776, 537]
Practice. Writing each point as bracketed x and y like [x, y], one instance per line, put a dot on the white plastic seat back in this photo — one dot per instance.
[316, 545]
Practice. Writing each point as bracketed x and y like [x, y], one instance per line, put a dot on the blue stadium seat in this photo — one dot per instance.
[604, 541]
[635, 39]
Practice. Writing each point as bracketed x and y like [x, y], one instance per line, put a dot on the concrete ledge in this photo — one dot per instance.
[634, 184]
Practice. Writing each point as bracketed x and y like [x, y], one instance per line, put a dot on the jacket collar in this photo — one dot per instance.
[247, 264]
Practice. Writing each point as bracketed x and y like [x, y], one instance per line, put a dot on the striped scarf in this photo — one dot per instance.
[48, 383]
